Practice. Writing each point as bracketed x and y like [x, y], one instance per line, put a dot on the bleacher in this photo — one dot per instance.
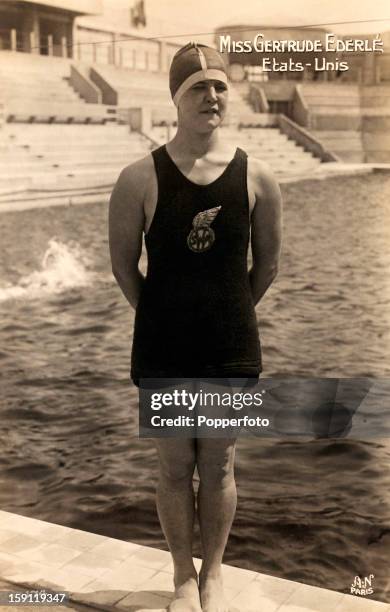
[346, 144]
[268, 144]
[36, 89]
[66, 156]
[128, 88]
[55, 142]
[376, 123]
[335, 118]
[350, 119]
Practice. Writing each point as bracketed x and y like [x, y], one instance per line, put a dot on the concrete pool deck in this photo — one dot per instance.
[108, 574]
[17, 200]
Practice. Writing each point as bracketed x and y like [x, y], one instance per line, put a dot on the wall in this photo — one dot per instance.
[80, 7]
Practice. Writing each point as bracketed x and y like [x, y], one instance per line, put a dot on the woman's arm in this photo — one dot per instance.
[126, 224]
[266, 229]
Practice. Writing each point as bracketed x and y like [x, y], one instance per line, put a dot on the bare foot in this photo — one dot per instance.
[211, 593]
[186, 597]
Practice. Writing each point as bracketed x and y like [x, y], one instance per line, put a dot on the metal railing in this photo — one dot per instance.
[12, 39]
[91, 45]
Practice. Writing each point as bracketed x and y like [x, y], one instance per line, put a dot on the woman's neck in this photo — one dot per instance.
[189, 143]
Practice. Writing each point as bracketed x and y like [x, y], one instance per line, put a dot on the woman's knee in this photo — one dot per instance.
[178, 472]
[176, 465]
[216, 465]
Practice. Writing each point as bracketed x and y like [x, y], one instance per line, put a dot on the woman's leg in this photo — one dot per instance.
[217, 500]
[176, 511]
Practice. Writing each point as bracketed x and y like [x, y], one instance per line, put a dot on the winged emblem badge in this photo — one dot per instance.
[202, 237]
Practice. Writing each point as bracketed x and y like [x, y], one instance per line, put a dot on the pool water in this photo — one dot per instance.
[311, 511]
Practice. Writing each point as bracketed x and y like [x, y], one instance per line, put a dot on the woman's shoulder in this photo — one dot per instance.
[260, 173]
[138, 172]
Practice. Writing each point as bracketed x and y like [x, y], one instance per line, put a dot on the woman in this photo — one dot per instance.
[198, 200]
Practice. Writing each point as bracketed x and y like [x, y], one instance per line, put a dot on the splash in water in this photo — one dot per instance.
[64, 266]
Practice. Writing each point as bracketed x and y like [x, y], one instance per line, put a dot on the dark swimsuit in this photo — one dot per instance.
[195, 317]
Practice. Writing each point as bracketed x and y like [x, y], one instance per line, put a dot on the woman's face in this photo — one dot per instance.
[203, 106]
